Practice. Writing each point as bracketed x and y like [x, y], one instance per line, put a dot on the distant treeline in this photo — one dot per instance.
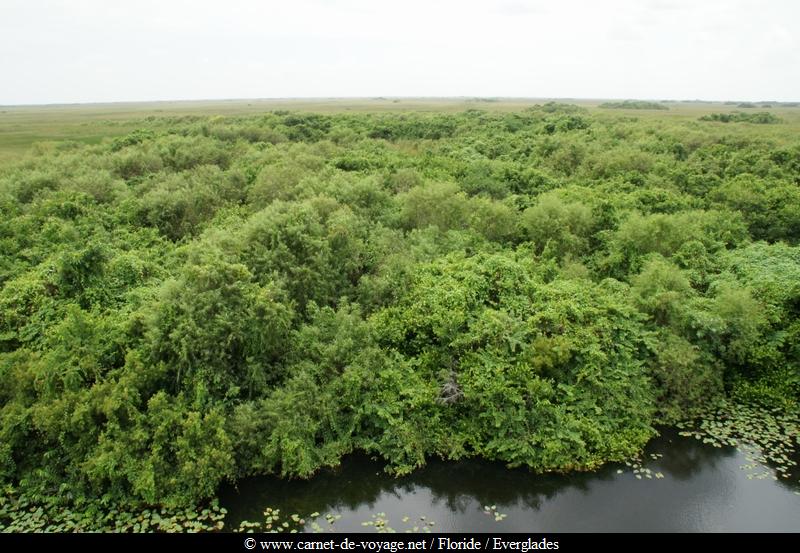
[763, 104]
[762, 118]
[633, 104]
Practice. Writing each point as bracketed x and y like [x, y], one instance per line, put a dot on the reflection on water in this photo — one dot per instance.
[704, 489]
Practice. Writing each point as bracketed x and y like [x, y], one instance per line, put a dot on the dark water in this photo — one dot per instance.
[703, 489]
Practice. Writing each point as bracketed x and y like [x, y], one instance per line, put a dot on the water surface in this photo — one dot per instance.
[703, 488]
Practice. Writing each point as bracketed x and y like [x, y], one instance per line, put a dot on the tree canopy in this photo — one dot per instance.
[209, 298]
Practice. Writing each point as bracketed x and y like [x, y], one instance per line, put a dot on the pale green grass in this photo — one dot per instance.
[23, 126]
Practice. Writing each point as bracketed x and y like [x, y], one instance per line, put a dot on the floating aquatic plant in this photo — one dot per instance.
[492, 511]
[274, 522]
[641, 472]
[22, 514]
[767, 437]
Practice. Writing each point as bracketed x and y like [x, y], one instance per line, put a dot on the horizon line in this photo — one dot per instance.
[389, 97]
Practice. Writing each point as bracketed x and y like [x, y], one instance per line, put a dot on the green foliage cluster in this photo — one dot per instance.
[633, 104]
[761, 118]
[210, 298]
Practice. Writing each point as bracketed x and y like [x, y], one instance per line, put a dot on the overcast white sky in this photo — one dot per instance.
[63, 51]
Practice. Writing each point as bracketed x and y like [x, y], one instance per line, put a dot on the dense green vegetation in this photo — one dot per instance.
[762, 118]
[207, 298]
[633, 104]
